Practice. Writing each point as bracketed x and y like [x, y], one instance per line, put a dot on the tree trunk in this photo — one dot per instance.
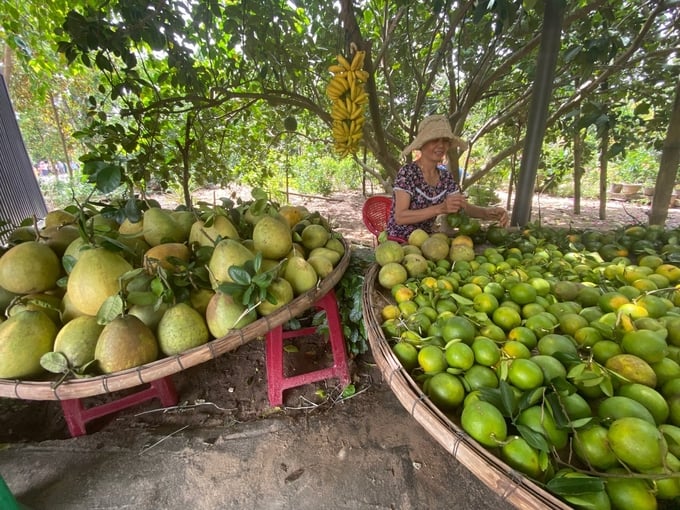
[578, 165]
[668, 167]
[604, 162]
[62, 138]
[7, 65]
[538, 112]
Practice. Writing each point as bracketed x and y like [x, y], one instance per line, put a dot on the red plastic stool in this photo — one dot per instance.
[277, 382]
[77, 415]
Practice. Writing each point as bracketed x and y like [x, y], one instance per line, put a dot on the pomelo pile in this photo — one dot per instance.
[110, 296]
[563, 362]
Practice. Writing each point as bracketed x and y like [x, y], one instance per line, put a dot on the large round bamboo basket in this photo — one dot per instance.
[91, 386]
[511, 485]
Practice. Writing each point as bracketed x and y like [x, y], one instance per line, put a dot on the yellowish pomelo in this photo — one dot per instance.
[58, 238]
[125, 342]
[227, 253]
[94, 278]
[282, 294]
[28, 268]
[418, 237]
[632, 368]
[24, 338]
[162, 255]
[131, 228]
[435, 248]
[273, 238]
[199, 298]
[300, 274]
[181, 328]
[221, 227]
[460, 252]
[77, 340]
[389, 251]
[392, 274]
[58, 218]
[415, 264]
[332, 255]
[223, 314]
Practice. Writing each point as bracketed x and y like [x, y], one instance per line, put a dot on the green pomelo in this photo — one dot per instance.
[77, 340]
[322, 251]
[627, 493]
[58, 238]
[591, 447]
[223, 314]
[336, 245]
[149, 314]
[273, 238]
[300, 274]
[539, 419]
[227, 253]
[638, 443]
[484, 423]
[613, 408]
[645, 344]
[315, 236]
[389, 251]
[185, 220]
[651, 399]
[94, 278]
[28, 268]
[221, 228]
[282, 293]
[125, 342]
[322, 266]
[181, 328]
[24, 338]
[160, 227]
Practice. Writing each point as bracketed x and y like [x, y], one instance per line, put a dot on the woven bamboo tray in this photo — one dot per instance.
[512, 486]
[91, 386]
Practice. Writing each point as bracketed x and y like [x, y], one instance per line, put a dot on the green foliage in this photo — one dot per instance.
[349, 292]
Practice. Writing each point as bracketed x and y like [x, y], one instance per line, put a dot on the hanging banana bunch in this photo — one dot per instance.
[346, 91]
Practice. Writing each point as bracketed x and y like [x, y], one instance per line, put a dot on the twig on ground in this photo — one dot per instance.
[184, 406]
[144, 450]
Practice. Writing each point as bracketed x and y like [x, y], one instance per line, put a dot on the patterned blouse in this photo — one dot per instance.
[411, 180]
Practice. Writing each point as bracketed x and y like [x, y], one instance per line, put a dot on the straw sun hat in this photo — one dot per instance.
[431, 128]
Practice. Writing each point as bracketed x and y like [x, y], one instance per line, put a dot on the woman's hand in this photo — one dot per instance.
[499, 215]
[454, 202]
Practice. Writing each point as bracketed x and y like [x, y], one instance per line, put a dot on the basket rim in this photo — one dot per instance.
[149, 372]
[511, 485]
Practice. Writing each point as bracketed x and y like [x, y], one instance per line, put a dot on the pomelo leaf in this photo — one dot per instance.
[54, 362]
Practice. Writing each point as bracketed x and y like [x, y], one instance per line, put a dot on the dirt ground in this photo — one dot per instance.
[233, 387]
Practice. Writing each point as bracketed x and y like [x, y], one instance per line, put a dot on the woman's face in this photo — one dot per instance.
[436, 149]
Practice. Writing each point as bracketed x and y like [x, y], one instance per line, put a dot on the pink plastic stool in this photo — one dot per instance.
[77, 415]
[277, 382]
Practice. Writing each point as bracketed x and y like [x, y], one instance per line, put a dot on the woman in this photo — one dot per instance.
[423, 189]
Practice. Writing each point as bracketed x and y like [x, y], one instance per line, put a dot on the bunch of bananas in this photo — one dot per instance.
[346, 91]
